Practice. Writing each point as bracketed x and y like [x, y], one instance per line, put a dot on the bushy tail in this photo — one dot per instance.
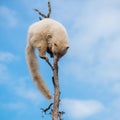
[33, 66]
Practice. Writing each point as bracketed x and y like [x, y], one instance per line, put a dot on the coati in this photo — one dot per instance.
[49, 36]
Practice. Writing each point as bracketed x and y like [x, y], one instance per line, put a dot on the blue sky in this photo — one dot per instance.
[89, 73]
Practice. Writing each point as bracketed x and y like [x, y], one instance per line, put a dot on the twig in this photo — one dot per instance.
[53, 81]
[60, 114]
[49, 9]
[46, 109]
[43, 15]
[40, 13]
[47, 60]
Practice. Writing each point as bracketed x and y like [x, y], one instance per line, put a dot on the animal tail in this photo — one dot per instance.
[33, 66]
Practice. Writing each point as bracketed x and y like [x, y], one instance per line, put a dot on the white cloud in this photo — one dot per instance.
[14, 106]
[20, 86]
[92, 26]
[8, 17]
[77, 109]
[23, 90]
[94, 46]
[7, 56]
[94, 57]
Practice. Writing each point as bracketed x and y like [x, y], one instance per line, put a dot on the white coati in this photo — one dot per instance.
[49, 36]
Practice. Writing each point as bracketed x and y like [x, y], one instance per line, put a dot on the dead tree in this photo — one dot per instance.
[53, 107]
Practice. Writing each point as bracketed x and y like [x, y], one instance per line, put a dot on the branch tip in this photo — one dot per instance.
[43, 15]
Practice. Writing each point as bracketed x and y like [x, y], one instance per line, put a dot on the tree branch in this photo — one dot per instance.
[43, 15]
[40, 13]
[49, 9]
[47, 60]
[46, 109]
[60, 114]
[55, 112]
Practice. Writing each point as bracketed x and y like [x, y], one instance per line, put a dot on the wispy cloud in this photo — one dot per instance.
[94, 37]
[8, 17]
[24, 90]
[76, 109]
[20, 86]
[14, 106]
[95, 44]
[7, 56]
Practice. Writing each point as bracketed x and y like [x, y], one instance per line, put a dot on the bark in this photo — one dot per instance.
[55, 112]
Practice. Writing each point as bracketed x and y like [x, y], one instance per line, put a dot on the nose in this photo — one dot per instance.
[67, 47]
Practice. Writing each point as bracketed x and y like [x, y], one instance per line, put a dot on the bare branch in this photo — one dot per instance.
[60, 114]
[53, 81]
[47, 60]
[53, 107]
[43, 15]
[40, 18]
[46, 109]
[49, 9]
[55, 112]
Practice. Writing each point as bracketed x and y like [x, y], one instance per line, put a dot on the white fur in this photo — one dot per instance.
[49, 36]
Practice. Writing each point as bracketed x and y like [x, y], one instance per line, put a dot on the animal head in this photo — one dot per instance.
[59, 48]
